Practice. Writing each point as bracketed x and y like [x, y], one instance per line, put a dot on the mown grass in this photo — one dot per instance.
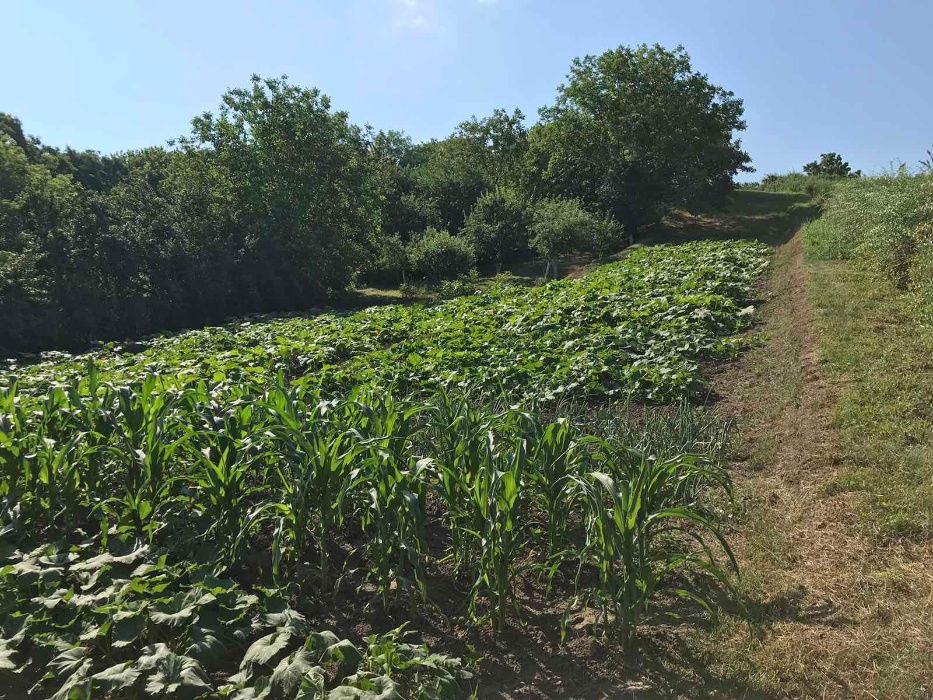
[870, 255]
[872, 343]
[834, 522]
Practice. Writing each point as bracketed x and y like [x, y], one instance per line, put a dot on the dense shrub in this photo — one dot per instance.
[386, 262]
[560, 226]
[602, 236]
[498, 226]
[436, 255]
[245, 216]
[830, 165]
[460, 287]
[887, 224]
[816, 186]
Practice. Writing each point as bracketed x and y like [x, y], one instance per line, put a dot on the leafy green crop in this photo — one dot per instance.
[638, 327]
[164, 515]
[131, 625]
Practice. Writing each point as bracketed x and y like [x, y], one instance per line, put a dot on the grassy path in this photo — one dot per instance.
[833, 612]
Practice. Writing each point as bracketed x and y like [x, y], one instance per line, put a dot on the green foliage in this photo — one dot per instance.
[133, 625]
[437, 255]
[559, 226]
[448, 177]
[500, 144]
[243, 217]
[830, 165]
[884, 222]
[308, 200]
[640, 327]
[223, 453]
[926, 164]
[636, 131]
[498, 226]
[318, 470]
[387, 261]
[277, 201]
[462, 286]
[818, 187]
[629, 516]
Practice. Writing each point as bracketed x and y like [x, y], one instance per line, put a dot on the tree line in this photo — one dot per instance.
[278, 202]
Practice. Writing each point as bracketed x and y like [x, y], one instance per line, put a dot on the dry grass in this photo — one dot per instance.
[832, 611]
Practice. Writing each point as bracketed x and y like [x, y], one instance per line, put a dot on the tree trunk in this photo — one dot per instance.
[631, 223]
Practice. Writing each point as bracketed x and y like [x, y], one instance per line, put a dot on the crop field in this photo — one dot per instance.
[175, 521]
[635, 327]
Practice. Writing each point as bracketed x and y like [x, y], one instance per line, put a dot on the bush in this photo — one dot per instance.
[603, 237]
[497, 226]
[886, 223]
[436, 256]
[560, 226]
[386, 261]
[460, 287]
[816, 186]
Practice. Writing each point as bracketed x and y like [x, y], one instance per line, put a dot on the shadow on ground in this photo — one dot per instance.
[768, 217]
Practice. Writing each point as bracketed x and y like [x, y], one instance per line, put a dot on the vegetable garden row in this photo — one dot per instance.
[174, 521]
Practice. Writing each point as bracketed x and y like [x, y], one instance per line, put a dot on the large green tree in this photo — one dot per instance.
[636, 131]
[298, 183]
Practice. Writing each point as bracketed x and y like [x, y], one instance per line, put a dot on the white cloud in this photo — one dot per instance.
[418, 15]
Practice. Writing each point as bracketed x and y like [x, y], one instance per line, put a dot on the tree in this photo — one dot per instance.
[450, 176]
[559, 226]
[498, 225]
[297, 182]
[50, 262]
[436, 255]
[636, 131]
[499, 143]
[830, 165]
[405, 208]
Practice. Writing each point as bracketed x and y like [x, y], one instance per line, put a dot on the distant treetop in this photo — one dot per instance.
[831, 165]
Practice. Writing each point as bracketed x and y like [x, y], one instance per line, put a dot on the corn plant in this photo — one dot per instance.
[317, 472]
[394, 483]
[90, 412]
[59, 490]
[395, 523]
[146, 442]
[458, 437]
[498, 497]
[15, 443]
[640, 535]
[556, 454]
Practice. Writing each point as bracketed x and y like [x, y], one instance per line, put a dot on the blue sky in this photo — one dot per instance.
[816, 75]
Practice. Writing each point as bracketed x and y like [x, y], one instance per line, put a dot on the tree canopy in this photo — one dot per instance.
[276, 201]
[636, 131]
[830, 165]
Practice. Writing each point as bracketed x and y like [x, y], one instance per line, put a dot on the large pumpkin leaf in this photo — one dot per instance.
[287, 676]
[174, 675]
[115, 678]
[264, 649]
[365, 687]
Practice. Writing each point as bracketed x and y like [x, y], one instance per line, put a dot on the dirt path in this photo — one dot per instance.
[833, 614]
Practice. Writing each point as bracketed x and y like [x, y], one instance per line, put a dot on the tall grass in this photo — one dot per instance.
[885, 223]
[817, 187]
